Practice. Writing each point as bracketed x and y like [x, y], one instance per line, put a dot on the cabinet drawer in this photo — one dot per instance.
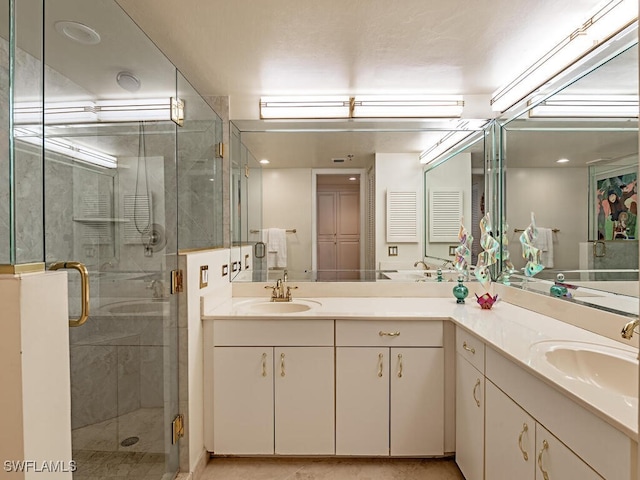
[388, 333]
[470, 348]
[293, 332]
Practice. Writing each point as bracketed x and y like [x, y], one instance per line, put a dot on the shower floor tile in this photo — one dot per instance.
[145, 423]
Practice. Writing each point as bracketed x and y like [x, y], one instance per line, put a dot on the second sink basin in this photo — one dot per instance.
[599, 366]
[281, 308]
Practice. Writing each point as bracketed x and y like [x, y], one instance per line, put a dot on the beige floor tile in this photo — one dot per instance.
[331, 469]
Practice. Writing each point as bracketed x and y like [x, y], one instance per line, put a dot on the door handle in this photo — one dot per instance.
[84, 284]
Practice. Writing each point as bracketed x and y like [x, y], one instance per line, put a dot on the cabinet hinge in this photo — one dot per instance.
[177, 285]
[177, 428]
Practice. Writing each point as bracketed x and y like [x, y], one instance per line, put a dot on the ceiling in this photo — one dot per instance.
[245, 49]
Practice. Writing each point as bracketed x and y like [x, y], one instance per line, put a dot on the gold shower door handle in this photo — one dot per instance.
[84, 284]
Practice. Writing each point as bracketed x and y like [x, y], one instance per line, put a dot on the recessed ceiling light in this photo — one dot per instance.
[264, 161]
[562, 160]
[128, 81]
[78, 32]
[353, 179]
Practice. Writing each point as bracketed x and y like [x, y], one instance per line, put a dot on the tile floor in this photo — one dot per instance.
[331, 469]
[93, 465]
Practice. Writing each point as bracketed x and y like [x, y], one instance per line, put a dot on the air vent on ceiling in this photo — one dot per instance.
[337, 160]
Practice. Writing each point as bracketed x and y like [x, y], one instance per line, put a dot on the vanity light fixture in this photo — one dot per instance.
[463, 130]
[365, 106]
[582, 106]
[65, 147]
[158, 109]
[616, 17]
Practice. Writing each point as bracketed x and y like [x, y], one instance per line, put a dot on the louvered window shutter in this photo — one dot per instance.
[402, 217]
[445, 212]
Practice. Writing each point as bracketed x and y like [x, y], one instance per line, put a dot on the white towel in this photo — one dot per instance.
[276, 248]
[544, 242]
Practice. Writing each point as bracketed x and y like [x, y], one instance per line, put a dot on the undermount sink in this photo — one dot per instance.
[603, 367]
[268, 307]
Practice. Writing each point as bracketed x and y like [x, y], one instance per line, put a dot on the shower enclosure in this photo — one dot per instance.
[108, 158]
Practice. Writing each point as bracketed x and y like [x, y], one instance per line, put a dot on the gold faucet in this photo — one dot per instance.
[281, 292]
[627, 330]
[424, 265]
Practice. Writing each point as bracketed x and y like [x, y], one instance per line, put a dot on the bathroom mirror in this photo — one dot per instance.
[577, 171]
[326, 163]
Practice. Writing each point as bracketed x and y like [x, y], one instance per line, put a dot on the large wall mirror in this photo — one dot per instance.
[572, 160]
[325, 190]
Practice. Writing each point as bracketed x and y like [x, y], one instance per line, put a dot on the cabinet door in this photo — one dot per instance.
[243, 400]
[304, 401]
[554, 460]
[362, 401]
[469, 420]
[509, 438]
[417, 401]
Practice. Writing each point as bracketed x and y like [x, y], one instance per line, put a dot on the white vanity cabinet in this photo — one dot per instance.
[273, 387]
[470, 406]
[389, 388]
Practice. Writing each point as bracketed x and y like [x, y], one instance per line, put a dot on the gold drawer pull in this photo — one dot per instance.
[468, 348]
[282, 364]
[380, 357]
[545, 446]
[525, 429]
[388, 334]
[400, 365]
[264, 364]
[474, 392]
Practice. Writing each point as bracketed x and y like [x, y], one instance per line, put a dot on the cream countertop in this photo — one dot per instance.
[508, 329]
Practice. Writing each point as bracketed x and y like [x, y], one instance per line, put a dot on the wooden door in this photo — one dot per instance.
[417, 401]
[509, 438]
[338, 232]
[469, 420]
[304, 401]
[362, 401]
[243, 400]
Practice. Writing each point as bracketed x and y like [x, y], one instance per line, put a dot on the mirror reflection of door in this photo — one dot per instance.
[338, 227]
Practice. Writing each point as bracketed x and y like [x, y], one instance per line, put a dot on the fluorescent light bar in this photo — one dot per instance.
[65, 147]
[609, 20]
[365, 106]
[307, 107]
[407, 106]
[464, 129]
[598, 106]
[98, 111]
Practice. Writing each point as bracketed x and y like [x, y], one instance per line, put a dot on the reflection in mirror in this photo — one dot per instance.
[324, 197]
[577, 171]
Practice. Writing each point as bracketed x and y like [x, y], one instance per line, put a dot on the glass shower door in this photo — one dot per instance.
[121, 223]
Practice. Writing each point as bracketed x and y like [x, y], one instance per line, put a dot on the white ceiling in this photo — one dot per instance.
[249, 48]
[245, 49]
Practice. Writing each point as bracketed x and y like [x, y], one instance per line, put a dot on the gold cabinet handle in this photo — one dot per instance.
[380, 357]
[525, 429]
[282, 364]
[468, 348]
[474, 392]
[399, 365]
[388, 334]
[84, 283]
[264, 364]
[545, 446]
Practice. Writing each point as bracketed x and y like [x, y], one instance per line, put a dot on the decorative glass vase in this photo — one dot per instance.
[486, 301]
[460, 291]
